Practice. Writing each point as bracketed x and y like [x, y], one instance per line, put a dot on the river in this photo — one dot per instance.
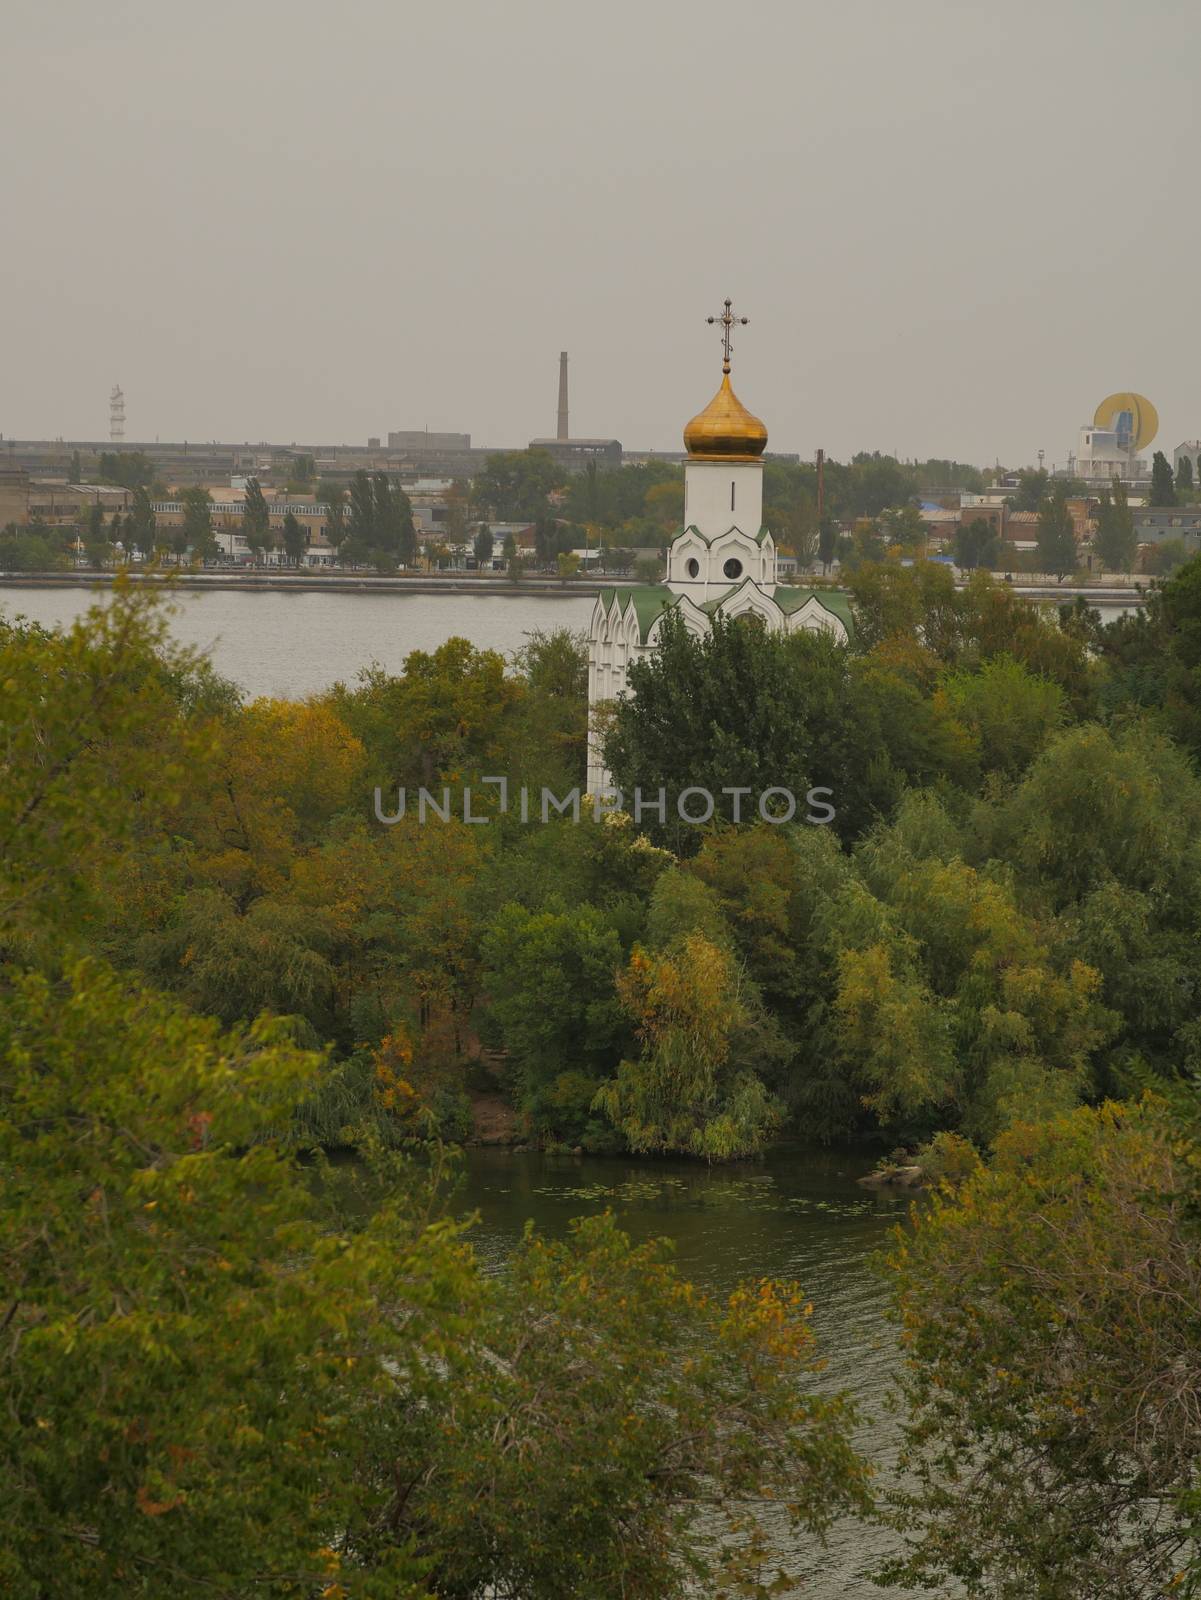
[286, 645]
[797, 1215]
[291, 645]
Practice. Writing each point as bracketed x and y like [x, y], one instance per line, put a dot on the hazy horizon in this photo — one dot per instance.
[954, 230]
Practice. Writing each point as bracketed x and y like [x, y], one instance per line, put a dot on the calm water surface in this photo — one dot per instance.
[799, 1215]
[291, 645]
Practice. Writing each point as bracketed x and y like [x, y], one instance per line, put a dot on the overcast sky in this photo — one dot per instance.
[954, 226]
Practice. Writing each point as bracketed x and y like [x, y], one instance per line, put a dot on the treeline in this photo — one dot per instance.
[641, 505]
[1001, 916]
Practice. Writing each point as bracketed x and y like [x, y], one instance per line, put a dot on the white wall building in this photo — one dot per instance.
[722, 562]
[1104, 454]
[1192, 449]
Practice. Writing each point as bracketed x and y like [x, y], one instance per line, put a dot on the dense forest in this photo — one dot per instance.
[225, 1372]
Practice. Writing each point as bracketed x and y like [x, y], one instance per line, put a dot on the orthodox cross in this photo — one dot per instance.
[728, 321]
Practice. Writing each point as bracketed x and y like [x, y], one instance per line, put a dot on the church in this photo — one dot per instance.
[722, 562]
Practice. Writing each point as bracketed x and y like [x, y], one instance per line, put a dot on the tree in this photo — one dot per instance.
[692, 1089]
[394, 539]
[96, 540]
[130, 469]
[827, 542]
[1163, 488]
[256, 521]
[1011, 713]
[361, 521]
[333, 497]
[1114, 541]
[140, 524]
[1166, 556]
[1032, 490]
[1048, 1314]
[196, 532]
[903, 526]
[550, 976]
[1184, 480]
[664, 503]
[978, 544]
[295, 539]
[568, 564]
[648, 569]
[483, 545]
[1056, 534]
[515, 484]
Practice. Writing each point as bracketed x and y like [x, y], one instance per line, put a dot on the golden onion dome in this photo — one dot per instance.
[725, 429]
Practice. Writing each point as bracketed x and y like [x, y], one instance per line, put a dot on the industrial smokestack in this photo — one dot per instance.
[561, 432]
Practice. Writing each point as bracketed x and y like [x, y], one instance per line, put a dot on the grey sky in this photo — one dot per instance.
[955, 227]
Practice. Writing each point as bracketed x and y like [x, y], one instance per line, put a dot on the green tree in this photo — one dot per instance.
[1114, 542]
[393, 537]
[295, 539]
[140, 524]
[1056, 534]
[515, 484]
[568, 564]
[1010, 712]
[130, 469]
[827, 542]
[978, 544]
[256, 521]
[361, 521]
[333, 497]
[1165, 557]
[1032, 490]
[1184, 480]
[1163, 487]
[903, 526]
[1048, 1314]
[550, 976]
[483, 545]
[96, 540]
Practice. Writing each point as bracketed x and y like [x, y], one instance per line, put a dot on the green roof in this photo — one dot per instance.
[836, 601]
[651, 600]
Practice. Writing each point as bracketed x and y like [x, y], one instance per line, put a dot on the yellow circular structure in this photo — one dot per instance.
[1144, 417]
[725, 429]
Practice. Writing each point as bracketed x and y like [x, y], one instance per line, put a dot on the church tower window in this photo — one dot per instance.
[693, 567]
[733, 568]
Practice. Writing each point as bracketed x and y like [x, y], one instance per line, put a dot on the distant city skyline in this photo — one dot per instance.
[953, 229]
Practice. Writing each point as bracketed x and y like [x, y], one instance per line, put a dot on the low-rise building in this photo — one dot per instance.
[1162, 524]
[14, 496]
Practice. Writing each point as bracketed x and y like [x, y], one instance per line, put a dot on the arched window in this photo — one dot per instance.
[692, 567]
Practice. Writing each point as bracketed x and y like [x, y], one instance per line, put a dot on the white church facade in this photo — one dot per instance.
[721, 562]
